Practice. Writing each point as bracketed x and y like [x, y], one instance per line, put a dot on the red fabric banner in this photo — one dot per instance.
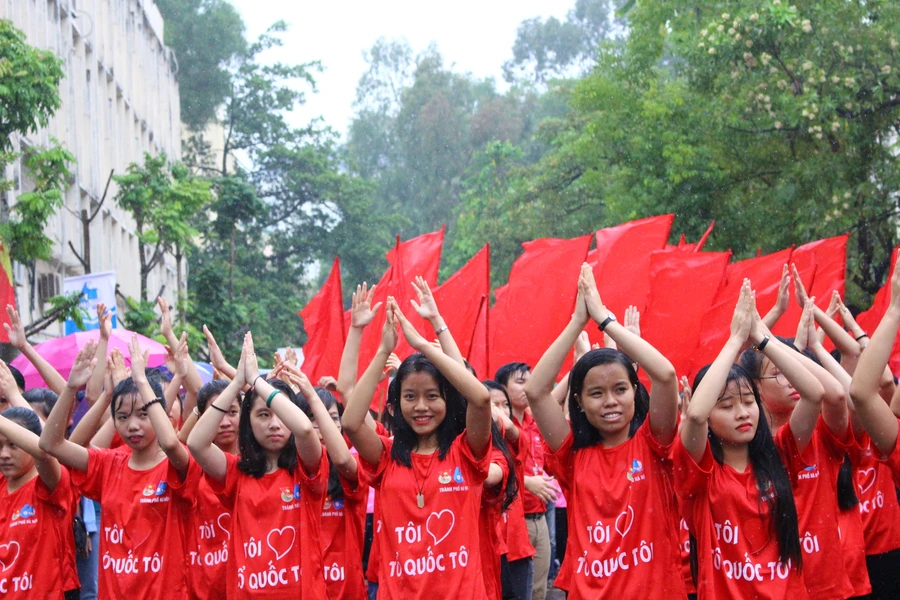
[683, 286]
[323, 319]
[543, 284]
[764, 274]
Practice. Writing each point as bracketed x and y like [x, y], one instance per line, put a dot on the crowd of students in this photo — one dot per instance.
[772, 475]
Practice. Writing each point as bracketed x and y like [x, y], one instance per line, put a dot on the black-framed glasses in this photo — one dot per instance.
[779, 378]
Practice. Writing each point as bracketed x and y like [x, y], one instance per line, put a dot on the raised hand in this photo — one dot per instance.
[290, 355]
[15, 331]
[248, 356]
[582, 345]
[799, 288]
[633, 320]
[181, 357]
[298, 379]
[361, 311]
[104, 318]
[138, 360]
[8, 385]
[215, 353]
[415, 339]
[834, 306]
[426, 307]
[744, 314]
[328, 382]
[686, 394]
[165, 319]
[784, 290]
[115, 365]
[389, 337]
[592, 301]
[802, 339]
[83, 367]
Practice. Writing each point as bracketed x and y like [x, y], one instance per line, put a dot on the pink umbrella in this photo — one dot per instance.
[61, 353]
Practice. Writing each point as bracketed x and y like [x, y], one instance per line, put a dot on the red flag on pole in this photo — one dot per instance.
[323, 319]
[543, 283]
[683, 286]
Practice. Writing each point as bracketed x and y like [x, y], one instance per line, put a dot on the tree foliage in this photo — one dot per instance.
[206, 35]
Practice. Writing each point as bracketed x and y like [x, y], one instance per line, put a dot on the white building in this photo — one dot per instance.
[119, 100]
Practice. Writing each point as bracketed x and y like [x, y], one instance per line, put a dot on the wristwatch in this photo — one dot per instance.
[609, 319]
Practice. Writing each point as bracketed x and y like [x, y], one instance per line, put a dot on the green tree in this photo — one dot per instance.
[206, 35]
[162, 199]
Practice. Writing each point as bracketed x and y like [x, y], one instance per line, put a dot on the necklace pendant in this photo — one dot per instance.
[420, 500]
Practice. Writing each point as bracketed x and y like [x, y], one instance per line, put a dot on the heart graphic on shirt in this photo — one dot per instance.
[866, 480]
[624, 521]
[281, 540]
[224, 523]
[440, 524]
[8, 554]
[138, 530]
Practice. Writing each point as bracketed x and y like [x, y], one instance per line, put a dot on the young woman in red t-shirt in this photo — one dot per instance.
[274, 490]
[813, 447]
[611, 458]
[344, 511]
[882, 425]
[430, 474]
[141, 490]
[36, 511]
[733, 489]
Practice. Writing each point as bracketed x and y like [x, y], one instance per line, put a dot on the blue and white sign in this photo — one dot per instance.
[97, 288]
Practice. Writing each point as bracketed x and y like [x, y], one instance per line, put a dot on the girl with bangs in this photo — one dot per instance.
[733, 489]
[274, 490]
[611, 458]
[430, 474]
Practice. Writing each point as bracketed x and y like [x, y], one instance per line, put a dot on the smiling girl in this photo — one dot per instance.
[274, 490]
[430, 473]
[611, 458]
[141, 490]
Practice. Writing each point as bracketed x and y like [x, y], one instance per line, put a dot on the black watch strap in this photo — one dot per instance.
[609, 319]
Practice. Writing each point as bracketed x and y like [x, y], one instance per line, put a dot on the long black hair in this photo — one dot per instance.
[253, 457]
[454, 422]
[846, 492]
[772, 479]
[499, 441]
[208, 392]
[335, 489]
[25, 417]
[586, 435]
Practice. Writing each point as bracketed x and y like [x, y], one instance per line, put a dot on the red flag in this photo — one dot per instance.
[462, 299]
[496, 314]
[765, 275]
[621, 263]
[323, 319]
[683, 286]
[479, 349]
[870, 319]
[7, 291]
[540, 299]
[822, 265]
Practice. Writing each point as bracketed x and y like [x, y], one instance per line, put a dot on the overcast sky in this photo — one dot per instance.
[476, 35]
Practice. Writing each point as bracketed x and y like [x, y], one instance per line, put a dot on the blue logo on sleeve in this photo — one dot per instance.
[457, 476]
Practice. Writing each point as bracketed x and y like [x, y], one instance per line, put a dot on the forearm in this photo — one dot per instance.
[346, 379]
[843, 341]
[358, 402]
[540, 384]
[49, 374]
[338, 451]
[448, 344]
[772, 317]
[95, 384]
[159, 419]
[703, 400]
[459, 377]
[657, 366]
[872, 362]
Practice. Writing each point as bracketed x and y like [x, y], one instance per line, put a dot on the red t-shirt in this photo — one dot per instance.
[878, 504]
[435, 549]
[343, 529]
[274, 531]
[532, 461]
[734, 530]
[34, 523]
[853, 547]
[892, 460]
[684, 549]
[207, 540]
[512, 525]
[814, 483]
[377, 525]
[492, 547]
[621, 516]
[144, 513]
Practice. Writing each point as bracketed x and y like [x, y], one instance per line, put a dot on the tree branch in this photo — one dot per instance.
[78, 256]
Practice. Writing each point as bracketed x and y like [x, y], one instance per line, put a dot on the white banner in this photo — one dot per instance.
[97, 288]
